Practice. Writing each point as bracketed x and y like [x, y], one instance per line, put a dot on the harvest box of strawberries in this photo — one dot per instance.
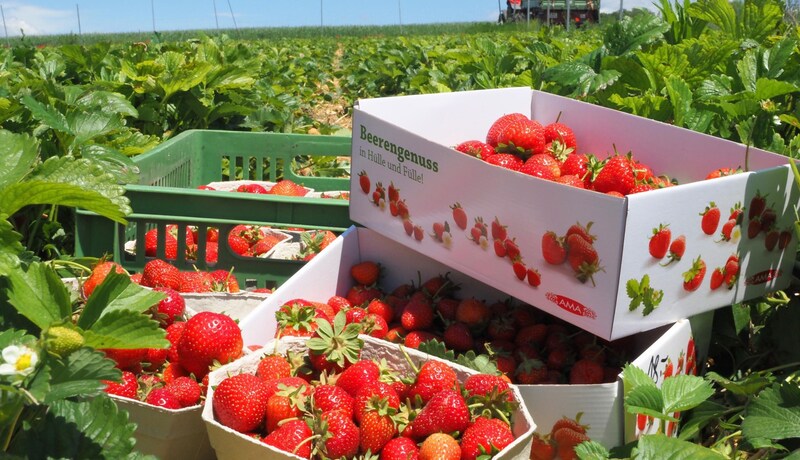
[381, 400]
[395, 294]
[612, 222]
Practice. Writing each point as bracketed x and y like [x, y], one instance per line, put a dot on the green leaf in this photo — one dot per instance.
[774, 413]
[778, 57]
[747, 69]
[634, 377]
[90, 125]
[767, 88]
[699, 417]
[680, 95]
[117, 292]
[741, 316]
[10, 246]
[123, 168]
[19, 153]
[632, 33]
[684, 392]
[80, 374]
[592, 450]
[125, 329]
[96, 429]
[108, 102]
[645, 400]
[46, 115]
[717, 12]
[661, 446]
[749, 386]
[39, 294]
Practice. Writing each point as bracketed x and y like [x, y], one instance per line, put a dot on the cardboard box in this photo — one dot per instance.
[406, 142]
[168, 434]
[602, 405]
[230, 444]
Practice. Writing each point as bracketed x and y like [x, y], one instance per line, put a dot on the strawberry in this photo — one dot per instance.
[753, 228]
[500, 124]
[251, 188]
[577, 164]
[126, 359]
[127, 387]
[296, 319]
[567, 439]
[731, 271]
[408, 226]
[446, 411]
[161, 397]
[485, 436]
[195, 281]
[340, 437]
[512, 249]
[771, 240]
[542, 448]
[498, 230]
[419, 232]
[334, 346]
[500, 248]
[530, 372]
[520, 269]
[571, 180]
[716, 279]
[676, 249]
[553, 249]
[272, 367]
[522, 137]
[358, 375]
[459, 216]
[418, 314]
[377, 426]
[326, 397]
[224, 281]
[475, 148]
[206, 338]
[543, 166]
[560, 132]
[758, 204]
[472, 312]
[433, 377]
[694, 276]
[287, 187]
[586, 371]
[291, 437]
[458, 337]
[583, 258]
[440, 446]
[374, 391]
[158, 273]
[660, 241]
[173, 335]
[339, 303]
[98, 275]
[534, 277]
[238, 244]
[581, 230]
[414, 338]
[400, 449]
[186, 390]
[669, 369]
[784, 239]
[505, 160]
[240, 402]
[722, 172]
[363, 181]
[151, 244]
[366, 272]
[570, 423]
[531, 334]
[170, 308]
[486, 384]
[710, 219]
[361, 295]
[616, 176]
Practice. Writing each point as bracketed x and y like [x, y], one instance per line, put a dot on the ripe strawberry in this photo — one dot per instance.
[512, 249]
[520, 270]
[360, 295]
[616, 176]
[542, 448]
[359, 374]
[339, 303]
[98, 275]
[126, 359]
[753, 228]
[571, 180]
[363, 181]
[419, 233]
[195, 281]
[433, 377]
[567, 439]
[158, 273]
[240, 402]
[722, 172]
[224, 281]
[534, 277]
[472, 312]
[170, 308]
[577, 164]
[530, 372]
[581, 230]
[161, 397]
[459, 216]
[660, 241]
[446, 411]
[505, 160]
[401, 448]
[173, 335]
[560, 132]
[251, 188]
[500, 124]
[498, 230]
[531, 334]
[287, 187]
[418, 314]
[485, 436]
[440, 446]
[291, 437]
[523, 137]
[717, 277]
[485, 384]
[414, 338]
[127, 387]
[784, 239]
[377, 426]
[586, 371]
[543, 166]
[328, 397]
[458, 337]
[583, 258]
[475, 148]
[343, 435]
[553, 249]
[151, 244]
[186, 390]
[371, 392]
[500, 248]
[731, 271]
[238, 244]
[206, 338]
[366, 272]
[273, 367]
[570, 423]
[694, 276]
[676, 249]
[710, 219]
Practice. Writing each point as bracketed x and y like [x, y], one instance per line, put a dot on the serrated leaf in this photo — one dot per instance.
[592, 450]
[47, 115]
[90, 125]
[717, 12]
[747, 69]
[80, 374]
[125, 329]
[776, 58]
[117, 292]
[684, 392]
[113, 162]
[773, 414]
[19, 153]
[10, 246]
[108, 102]
[751, 385]
[436, 348]
[634, 377]
[96, 429]
[645, 400]
[480, 362]
[699, 417]
[767, 88]
[631, 33]
[38, 294]
[661, 446]
[680, 95]
[741, 316]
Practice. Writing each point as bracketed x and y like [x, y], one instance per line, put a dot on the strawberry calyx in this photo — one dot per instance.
[338, 342]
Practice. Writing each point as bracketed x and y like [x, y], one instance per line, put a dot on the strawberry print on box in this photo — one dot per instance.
[610, 260]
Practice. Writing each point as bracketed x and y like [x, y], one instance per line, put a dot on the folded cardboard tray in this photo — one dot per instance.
[601, 405]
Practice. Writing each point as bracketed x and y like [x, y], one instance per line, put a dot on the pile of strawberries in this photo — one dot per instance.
[576, 247]
[561, 441]
[283, 187]
[158, 273]
[527, 345]
[244, 240]
[171, 377]
[327, 404]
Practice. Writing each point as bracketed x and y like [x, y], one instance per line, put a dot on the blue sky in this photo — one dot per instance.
[44, 17]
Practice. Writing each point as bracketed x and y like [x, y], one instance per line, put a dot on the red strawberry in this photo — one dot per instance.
[560, 132]
[359, 374]
[98, 275]
[731, 272]
[291, 437]
[534, 277]
[458, 337]
[572, 424]
[485, 436]
[500, 248]
[440, 446]
[158, 273]
[582, 231]
[339, 303]
[161, 397]
[459, 216]
[328, 397]
[485, 384]
[286, 187]
[419, 232]
[500, 124]
[251, 188]
[273, 367]
[660, 241]
[523, 137]
[727, 230]
[343, 435]
[475, 148]
[433, 377]
[520, 270]
[717, 277]
[186, 390]
[506, 160]
[363, 181]
[694, 276]
[512, 249]
[126, 359]
[710, 219]
[151, 245]
[567, 439]
[365, 272]
[577, 164]
[400, 449]
[240, 402]
[446, 412]
[170, 308]
[676, 249]
[206, 338]
[583, 258]
[418, 314]
[530, 372]
[542, 448]
[377, 426]
[722, 172]
[127, 387]
[374, 391]
[543, 166]
[414, 338]
[571, 180]
[498, 230]
[784, 239]
[616, 176]
[586, 371]
[553, 249]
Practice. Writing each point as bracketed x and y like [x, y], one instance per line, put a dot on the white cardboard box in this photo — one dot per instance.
[406, 141]
[230, 444]
[602, 405]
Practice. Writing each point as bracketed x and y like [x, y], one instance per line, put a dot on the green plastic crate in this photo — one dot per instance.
[167, 194]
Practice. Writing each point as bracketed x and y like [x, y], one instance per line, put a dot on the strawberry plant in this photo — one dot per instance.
[51, 372]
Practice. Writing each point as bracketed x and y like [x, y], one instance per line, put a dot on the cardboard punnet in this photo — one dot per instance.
[406, 142]
[168, 434]
[602, 405]
[230, 444]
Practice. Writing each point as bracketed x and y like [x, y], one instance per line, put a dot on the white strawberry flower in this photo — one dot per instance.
[447, 239]
[18, 360]
[484, 243]
[736, 234]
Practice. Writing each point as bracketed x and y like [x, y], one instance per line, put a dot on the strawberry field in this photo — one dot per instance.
[74, 116]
